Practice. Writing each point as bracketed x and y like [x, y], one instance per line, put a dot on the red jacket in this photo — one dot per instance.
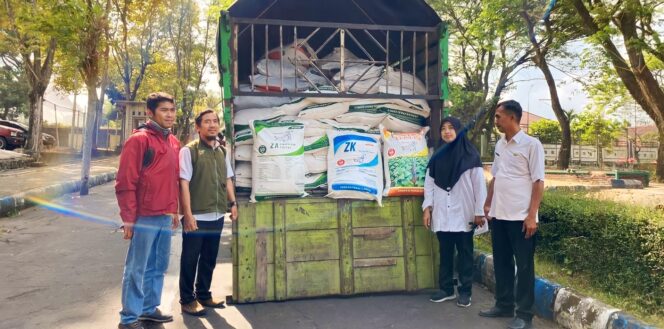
[153, 189]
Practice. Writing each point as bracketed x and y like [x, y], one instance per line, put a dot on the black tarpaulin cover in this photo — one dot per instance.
[378, 12]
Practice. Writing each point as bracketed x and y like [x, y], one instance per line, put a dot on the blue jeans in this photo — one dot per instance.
[145, 266]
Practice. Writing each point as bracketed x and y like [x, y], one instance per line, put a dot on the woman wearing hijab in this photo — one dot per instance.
[454, 193]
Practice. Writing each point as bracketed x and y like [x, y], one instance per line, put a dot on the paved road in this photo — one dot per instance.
[65, 272]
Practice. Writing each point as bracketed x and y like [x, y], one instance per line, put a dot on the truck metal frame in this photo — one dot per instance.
[301, 248]
[429, 63]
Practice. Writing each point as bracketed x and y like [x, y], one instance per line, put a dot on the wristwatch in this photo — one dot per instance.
[231, 204]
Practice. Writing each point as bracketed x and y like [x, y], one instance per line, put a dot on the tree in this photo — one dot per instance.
[548, 131]
[192, 45]
[14, 89]
[86, 49]
[634, 22]
[486, 45]
[594, 126]
[137, 40]
[551, 38]
[28, 40]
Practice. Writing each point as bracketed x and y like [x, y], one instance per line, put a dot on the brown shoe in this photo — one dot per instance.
[212, 302]
[193, 308]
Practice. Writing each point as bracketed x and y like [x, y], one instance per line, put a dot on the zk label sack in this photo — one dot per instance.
[354, 169]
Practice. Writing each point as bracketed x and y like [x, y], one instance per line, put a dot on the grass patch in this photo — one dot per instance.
[609, 251]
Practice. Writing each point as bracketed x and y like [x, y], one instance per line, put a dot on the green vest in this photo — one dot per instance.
[207, 187]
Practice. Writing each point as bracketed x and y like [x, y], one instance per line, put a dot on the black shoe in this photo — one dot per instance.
[496, 312]
[156, 316]
[133, 325]
[442, 296]
[519, 323]
[463, 300]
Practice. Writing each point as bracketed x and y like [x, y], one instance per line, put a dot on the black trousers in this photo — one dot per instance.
[463, 243]
[510, 245]
[199, 257]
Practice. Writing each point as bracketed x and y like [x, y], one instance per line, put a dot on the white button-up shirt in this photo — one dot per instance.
[187, 171]
[455, 210]
[516, 166]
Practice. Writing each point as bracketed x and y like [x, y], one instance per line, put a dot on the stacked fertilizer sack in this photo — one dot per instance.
[341, 140]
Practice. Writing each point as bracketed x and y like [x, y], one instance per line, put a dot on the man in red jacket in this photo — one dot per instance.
[147, 191]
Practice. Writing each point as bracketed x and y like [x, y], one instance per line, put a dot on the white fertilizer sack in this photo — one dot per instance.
[315, 162]
[323, 111]
[243, 170]
[277, 160]
[250, 102]
[355, 169]
[243, 152]
[242, 118]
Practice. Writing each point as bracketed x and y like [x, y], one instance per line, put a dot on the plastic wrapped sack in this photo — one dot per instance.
[397, 82]
[299, 50]
[241, 119]
[250, 102]
[277, 160]
[355, 169]
[405, 156]
[332, 61]
[275, 68]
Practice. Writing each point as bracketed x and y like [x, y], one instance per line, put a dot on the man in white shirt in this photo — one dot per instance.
[206, 193]
[511, 206]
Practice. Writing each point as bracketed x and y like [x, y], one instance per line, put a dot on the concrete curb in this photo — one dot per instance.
[16, 163]
[13, 203]
[567, 308]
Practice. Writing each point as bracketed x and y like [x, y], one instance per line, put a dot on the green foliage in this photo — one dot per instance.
[620, 248]
[595, 127]
[13, 92]
[408, 171]
[548, 131]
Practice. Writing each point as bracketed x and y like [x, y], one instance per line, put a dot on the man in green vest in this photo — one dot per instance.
[206, 193]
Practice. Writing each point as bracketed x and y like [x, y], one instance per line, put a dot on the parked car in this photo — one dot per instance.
[48, 140]
[11, 138]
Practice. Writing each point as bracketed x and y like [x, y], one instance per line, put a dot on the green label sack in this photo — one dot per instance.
[355, 168]
[277, 160]
[243, 137]
[314, 181]
[406, 156]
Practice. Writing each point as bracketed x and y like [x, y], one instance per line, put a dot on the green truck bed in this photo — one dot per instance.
[310, 247]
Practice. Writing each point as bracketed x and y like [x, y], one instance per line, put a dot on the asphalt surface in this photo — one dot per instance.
[64, 271]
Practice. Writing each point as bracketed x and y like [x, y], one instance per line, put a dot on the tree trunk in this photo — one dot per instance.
[87, 139]
[659, 171]
[34, 145]
[543, 65]
[566, 143]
